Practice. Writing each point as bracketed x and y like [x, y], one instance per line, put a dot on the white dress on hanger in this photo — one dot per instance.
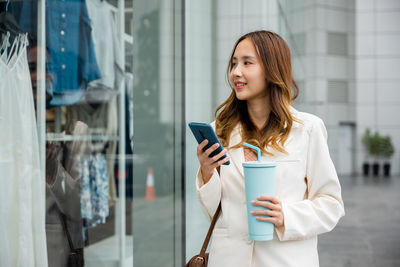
[22, 190]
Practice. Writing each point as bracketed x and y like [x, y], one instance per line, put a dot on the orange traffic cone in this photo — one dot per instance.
[150, 190]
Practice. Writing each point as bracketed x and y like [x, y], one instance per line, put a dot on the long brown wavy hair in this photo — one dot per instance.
[275, 57]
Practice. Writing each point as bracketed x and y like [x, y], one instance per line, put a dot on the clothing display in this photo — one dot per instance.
[78, 126]
[22, 190]
[108, 53]
[72, 60]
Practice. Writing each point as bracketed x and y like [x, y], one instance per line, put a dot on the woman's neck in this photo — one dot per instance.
[259, 111]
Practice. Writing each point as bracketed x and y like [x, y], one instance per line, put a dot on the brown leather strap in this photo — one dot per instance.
[210, 230]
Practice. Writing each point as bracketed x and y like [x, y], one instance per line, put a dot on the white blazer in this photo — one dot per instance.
[307, 185]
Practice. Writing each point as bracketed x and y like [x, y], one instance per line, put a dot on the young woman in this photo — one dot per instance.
[307, 199]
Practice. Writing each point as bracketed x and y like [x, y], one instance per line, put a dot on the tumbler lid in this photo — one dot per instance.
[259, 164]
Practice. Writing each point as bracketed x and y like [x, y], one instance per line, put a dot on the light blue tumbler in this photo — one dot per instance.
[259, 177]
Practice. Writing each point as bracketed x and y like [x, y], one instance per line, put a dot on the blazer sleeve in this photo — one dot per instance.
[209, 194]
[323, 208]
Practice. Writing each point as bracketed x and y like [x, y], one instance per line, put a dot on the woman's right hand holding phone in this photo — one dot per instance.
[207, 165]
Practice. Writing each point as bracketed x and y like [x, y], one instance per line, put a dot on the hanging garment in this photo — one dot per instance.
[71, 61]
[108, 53]
[5, 45]
[94, 195]
[22, 190]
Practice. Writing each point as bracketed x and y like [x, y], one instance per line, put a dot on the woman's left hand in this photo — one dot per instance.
[275, 210]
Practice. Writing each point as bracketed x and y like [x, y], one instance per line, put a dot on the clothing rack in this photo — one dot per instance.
[62, 137]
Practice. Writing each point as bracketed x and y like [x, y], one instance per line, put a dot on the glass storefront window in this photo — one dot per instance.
[99, 120]
[158, 145]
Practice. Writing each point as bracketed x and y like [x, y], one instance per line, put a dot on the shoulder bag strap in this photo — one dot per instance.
[64, 224]
[210, 230]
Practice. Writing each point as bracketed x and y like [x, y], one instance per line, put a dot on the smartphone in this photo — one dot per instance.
[203, 131]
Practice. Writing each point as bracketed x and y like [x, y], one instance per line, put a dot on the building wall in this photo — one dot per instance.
[235, 18]
[322, 41]
[377, 72]
[358, 87]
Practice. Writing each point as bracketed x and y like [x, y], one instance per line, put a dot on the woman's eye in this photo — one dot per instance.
[247, 63]
[233, 64]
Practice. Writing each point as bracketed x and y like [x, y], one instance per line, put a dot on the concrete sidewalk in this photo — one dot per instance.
[369, 234]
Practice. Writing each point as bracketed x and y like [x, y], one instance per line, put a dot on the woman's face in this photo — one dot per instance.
[247, 75]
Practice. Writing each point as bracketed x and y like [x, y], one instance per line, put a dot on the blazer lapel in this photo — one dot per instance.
[236, 154]
[295, 125]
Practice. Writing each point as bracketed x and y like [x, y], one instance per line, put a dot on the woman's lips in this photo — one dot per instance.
[239, 85]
